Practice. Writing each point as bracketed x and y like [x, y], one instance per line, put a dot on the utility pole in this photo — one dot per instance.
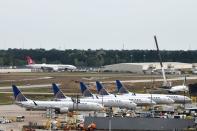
[144, 56]
[131, 58]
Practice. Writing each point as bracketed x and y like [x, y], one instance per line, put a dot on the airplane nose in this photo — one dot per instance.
[188, 99]
[99, 107]
[102, 107]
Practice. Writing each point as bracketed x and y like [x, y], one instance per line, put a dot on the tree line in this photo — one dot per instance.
[92, 58]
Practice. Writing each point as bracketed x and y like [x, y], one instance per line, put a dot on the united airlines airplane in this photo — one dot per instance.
[158, 98]
[107, 102]
[138, 100]
[59, 106]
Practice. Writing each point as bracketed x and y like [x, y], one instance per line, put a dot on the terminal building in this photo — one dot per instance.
[150, 67]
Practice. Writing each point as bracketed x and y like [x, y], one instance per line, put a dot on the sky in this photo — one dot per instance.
[96, 24]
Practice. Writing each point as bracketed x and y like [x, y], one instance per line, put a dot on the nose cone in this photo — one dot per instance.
[74, 67]
[187, 99]
[186, 88]
[100, 107]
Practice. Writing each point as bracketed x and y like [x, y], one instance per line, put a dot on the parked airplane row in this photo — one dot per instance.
[93, 102]
[59, 106]
[125, 94]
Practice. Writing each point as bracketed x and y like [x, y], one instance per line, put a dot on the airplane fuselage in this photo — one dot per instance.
[179, 88]
[152, 97]
[109, 102]
[54, 67]
[140, 101]
[59, 105]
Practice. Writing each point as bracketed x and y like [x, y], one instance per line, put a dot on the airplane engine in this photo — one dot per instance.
[63, 110]
[55, 69]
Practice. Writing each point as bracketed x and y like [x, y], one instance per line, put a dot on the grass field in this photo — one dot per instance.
[6, 99]
[70, 82]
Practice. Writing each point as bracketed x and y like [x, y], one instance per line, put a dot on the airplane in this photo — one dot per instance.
[51, 67]
[59, 106]
[58, 94]
[166, 84]
[179, 88]
[138, 100]
[155, 97]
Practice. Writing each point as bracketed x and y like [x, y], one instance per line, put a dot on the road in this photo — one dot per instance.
[27, 79]
[30, 86]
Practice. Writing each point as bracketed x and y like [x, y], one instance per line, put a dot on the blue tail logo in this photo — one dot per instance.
[57, 92]
[121, 88]
[101, 90]
[84, 90]
[18, 96]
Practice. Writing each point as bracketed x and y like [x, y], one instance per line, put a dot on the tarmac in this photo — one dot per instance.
[151, 80]
[10, 112]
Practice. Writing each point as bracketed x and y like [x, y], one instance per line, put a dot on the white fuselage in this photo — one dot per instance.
[179, 98]
[179, 88]
[140, 101]
[69, 105]
[159, 99]
[54, 67]
[108, 102]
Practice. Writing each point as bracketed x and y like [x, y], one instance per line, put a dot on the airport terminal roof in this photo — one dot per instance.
[148, 65]
[156, 65]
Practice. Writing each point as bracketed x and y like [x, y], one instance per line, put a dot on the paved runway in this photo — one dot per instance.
[30, 86]
[38, 78]
[151, 80]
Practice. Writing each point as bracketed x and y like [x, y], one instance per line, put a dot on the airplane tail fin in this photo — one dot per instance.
[58, 94]
[121, 88]
[101, 90]
[29, 60]
[18, 96]
[84, 90]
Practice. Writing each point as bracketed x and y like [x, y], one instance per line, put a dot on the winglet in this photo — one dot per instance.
[121, 88]
[57, 92]
[18, 96]
[84, 90]
[101, 90]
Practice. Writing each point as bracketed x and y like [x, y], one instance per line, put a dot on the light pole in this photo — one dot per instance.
[131, 58]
